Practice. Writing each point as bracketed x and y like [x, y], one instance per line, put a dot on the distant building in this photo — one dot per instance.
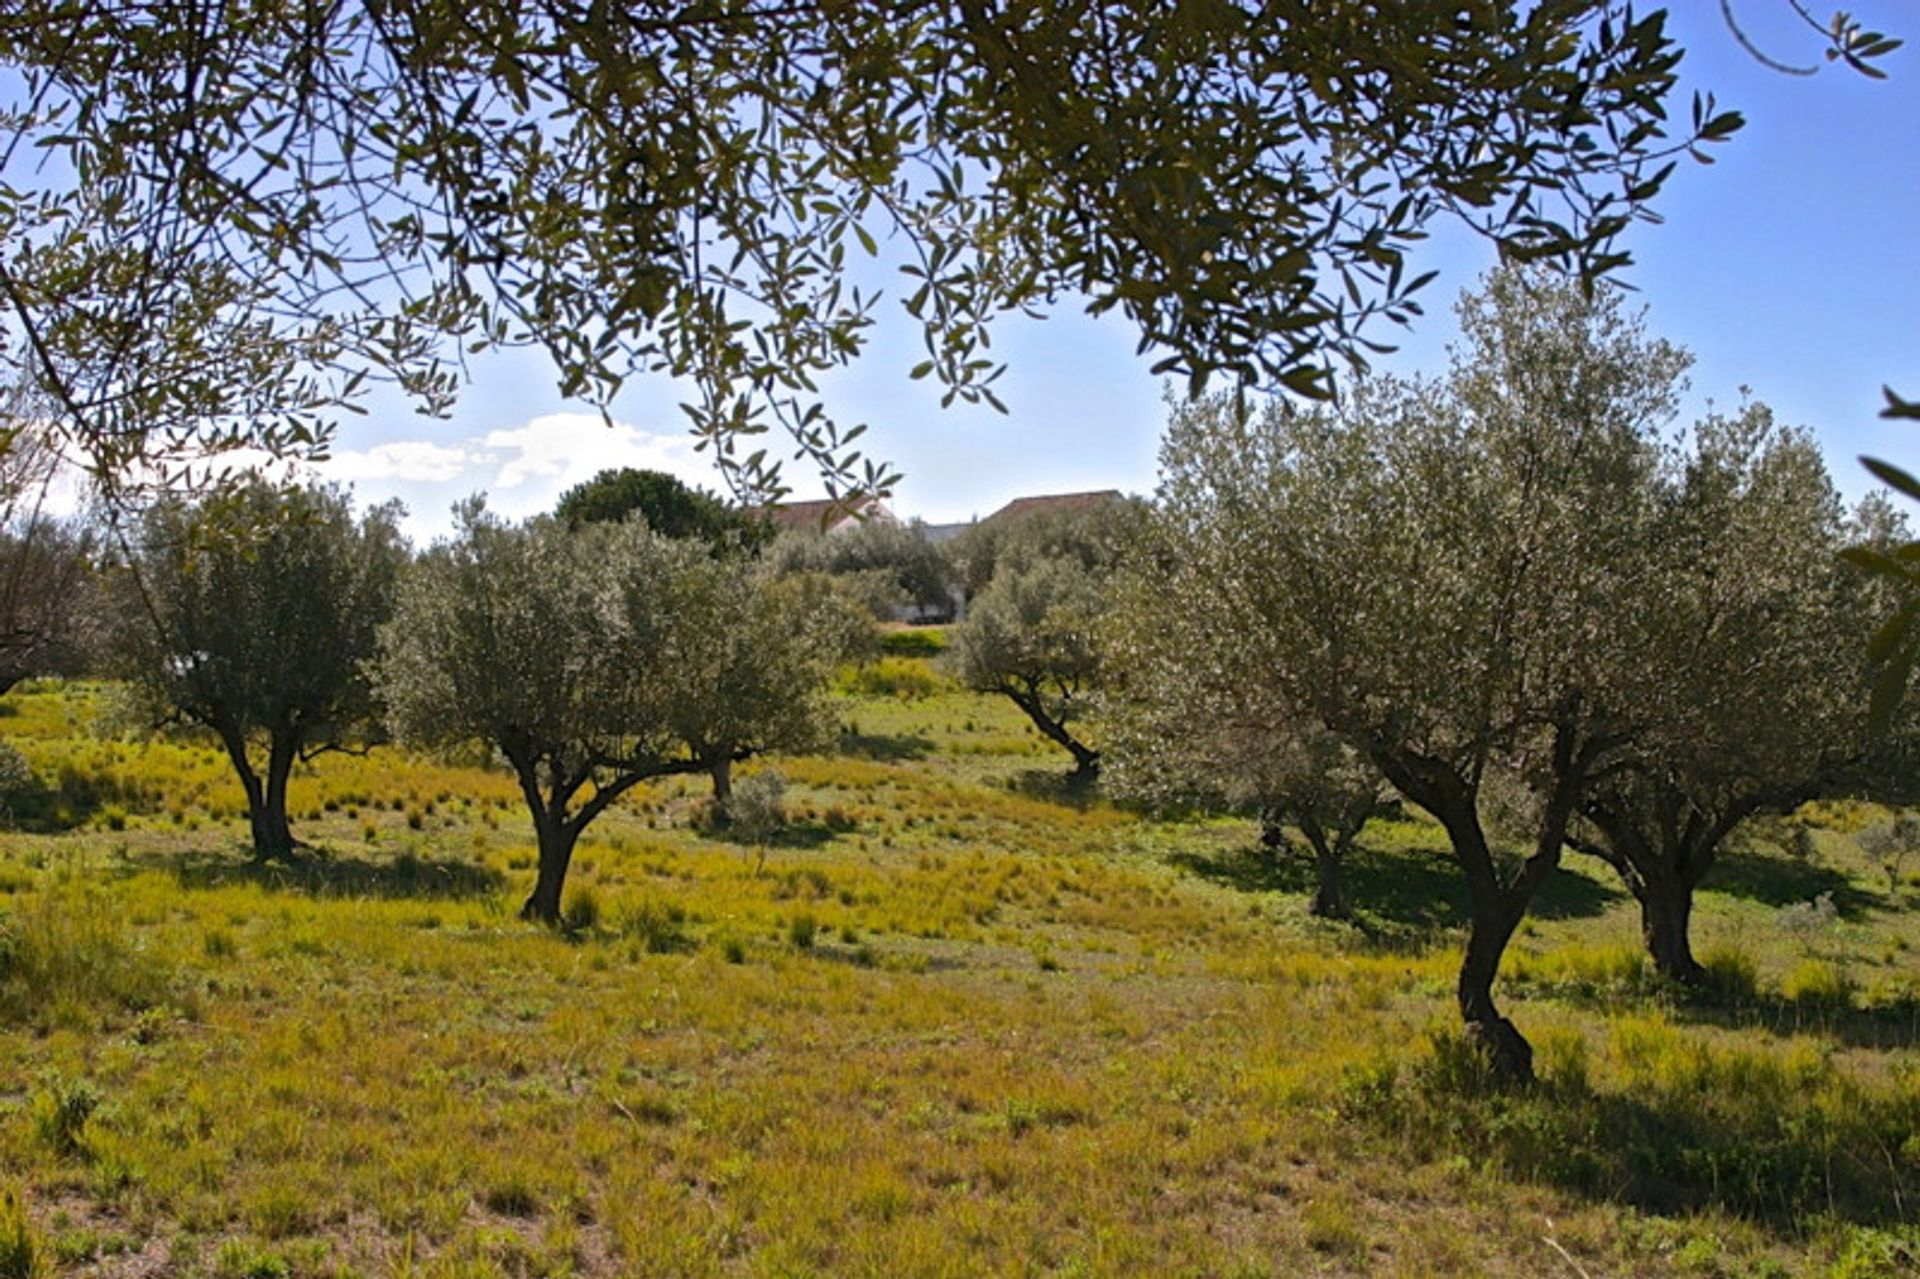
[1048, 503]
[829, 516]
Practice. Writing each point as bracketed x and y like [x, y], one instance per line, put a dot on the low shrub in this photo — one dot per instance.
[905, 678]
[65, 952]
[1818, 984]
[914, 641]
[21, 1256]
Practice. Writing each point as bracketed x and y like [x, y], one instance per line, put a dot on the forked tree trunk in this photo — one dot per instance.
[266, 797]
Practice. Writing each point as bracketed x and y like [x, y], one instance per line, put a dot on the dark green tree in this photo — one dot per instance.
[668, 507]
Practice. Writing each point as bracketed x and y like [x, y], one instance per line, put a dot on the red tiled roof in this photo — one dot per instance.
[1021, 507]
[814, 515]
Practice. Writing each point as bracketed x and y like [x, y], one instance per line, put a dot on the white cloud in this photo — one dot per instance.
[402, 461]
[552, 453]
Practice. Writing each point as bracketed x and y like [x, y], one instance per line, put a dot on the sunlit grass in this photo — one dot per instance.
[960, 1022]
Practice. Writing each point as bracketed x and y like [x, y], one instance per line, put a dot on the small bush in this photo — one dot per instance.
[60, 1115]
[238, 1259]
[1731, 972]
[19, 788]
[513, 1194]
[801, 930]
[21, 1256]
[905, 678]
[918, 641]
[582, 910]
[660, 930]
[757, 811]
[1818, 983]
[65, 952]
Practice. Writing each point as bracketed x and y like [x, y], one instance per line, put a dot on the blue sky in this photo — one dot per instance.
[1790, 266]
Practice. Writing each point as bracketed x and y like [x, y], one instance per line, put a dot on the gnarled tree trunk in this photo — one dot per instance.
[1330, 890]
[1666, 910]
[557, 838]
[1507, 1051]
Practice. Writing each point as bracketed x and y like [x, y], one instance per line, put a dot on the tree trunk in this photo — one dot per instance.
[1666, 910]
[1086, 767]
[557, 838]
[1086, 760]
[272, 821]
[270, 836]
[1273, 833]
[1330, 892]
[1508, 1054]
[722, 773]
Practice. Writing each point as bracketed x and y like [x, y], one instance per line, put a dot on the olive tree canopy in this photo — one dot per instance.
[46, 561]
[1752, 691]
[594, 659]
[1449, 575]
[252, 612]
[220, 222]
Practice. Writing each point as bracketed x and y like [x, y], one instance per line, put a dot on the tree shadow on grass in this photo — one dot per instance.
[1882, 1027]
[794, 835]
[1395, 894]
[887, 748]
[1777, 1152]
[1785, 881]
[406, 875]
[1054, 787]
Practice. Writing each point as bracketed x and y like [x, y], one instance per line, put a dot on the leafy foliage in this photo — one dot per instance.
[597, 658]
[1447, 575]
[1191, 718]
[46, 563]
[1751, 691]
[221, 225]
[884, 564]
[252, 612]
[1031, 636]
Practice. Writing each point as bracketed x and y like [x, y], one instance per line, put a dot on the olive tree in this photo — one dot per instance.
[222, 222]
[1031, 630]
[753, 666]
[1443, 573]
[884, 563]
[1030, 638]
[1751, 693]
[1096, 533]
[46, 562]
[252, 612]
[1191, 719]
[592, 660]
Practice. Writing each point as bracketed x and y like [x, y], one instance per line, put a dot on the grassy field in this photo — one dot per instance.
[961, 1022]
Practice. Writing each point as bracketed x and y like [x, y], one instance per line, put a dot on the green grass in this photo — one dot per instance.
[962, 1022]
